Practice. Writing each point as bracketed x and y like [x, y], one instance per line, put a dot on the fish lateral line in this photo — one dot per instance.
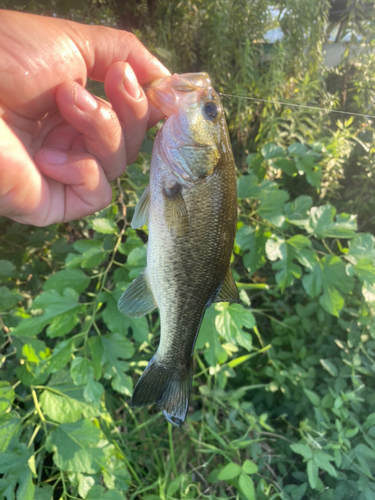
[229, 96]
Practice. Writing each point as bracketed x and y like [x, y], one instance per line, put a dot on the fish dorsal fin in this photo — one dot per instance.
[137, 300]
[228, 291]
[141, 211]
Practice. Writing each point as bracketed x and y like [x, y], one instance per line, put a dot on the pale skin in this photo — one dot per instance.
[60, 147]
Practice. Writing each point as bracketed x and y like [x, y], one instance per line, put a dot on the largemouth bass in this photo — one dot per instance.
[191, 209]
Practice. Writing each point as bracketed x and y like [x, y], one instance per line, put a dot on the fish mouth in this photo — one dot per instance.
[165, 92]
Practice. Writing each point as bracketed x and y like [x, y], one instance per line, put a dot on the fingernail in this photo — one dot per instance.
[84, 100]
[54, 157]
[131, 83]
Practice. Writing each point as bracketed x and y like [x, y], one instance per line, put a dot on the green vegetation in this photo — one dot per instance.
[283, 400]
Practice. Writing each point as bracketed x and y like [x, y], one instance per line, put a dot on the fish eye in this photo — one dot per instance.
[210, 110]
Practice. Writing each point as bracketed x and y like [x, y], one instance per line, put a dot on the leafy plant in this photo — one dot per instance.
[283, 392]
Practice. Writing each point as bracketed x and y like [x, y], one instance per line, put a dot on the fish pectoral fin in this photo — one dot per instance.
[166, 386]
[175, 206]
[228, 291]
[138, 299]
[142, 209]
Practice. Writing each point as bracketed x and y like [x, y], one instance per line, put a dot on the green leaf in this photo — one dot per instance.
[43, 492]
[323, 225]
[208, 338]
[104, 226]
[68, 278]
[249, 467]
[6, 396]
[230, 322]
[15, 460]
[64, 402]
[312, 473]
[287, 166]
[93, 391]
[254, 162]
[271, 206]
[53, 304]
[246, 485]
[26, 487]
[313, 282]
[137, 261]
[323, 460]
[9, 425]
[132, 241]
[369, 422]
[311, 169]
[122, 383]
[60, 356]
[81, 371]
[296, 212]
[303, 450]
[270, 151]
[112, 495]
[364, 269]
[8, 298]
[174, 485]
[85, 483]
[230, 471]
[92, 255]
[62, 324]
[329, 366]
[253, 242]
[109, 351]
[287, 251]
[362, 246]
[6, 268]
[119, 323]
[365, 456]
[74, 448]
[247, 186]
[330, 276]
[313, 397]
[297, 149]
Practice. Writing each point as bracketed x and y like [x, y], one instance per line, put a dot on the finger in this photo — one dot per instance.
[101, 47]
[61, 137]
[21, 185]
[99, 125]
[130, 104]
[124, 93]
[86, 186]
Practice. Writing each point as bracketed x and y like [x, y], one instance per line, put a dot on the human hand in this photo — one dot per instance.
[59, 146]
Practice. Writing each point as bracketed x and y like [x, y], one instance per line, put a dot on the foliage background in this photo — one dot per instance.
[282, 403]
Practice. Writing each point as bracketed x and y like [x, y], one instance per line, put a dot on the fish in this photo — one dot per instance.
[190, 207]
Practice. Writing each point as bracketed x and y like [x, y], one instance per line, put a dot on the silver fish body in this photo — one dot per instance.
[191, 211]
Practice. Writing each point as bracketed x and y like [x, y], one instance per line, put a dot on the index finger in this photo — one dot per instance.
[101, 47]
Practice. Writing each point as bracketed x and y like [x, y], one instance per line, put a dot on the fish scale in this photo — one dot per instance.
[190, 207]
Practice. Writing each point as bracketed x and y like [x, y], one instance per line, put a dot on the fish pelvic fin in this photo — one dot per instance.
[229, 290]
[138, 299]
[142, 210]
[169, 388]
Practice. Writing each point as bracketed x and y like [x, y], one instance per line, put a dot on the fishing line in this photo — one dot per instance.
[229, 96]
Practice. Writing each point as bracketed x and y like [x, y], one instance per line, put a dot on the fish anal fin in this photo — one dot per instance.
[137, 300]
[228, 291]
[168, 388]
[142, 209]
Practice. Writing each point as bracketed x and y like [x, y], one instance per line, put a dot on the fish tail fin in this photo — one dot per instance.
[169, 388]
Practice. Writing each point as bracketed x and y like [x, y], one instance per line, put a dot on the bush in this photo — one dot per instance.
[282, 402]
